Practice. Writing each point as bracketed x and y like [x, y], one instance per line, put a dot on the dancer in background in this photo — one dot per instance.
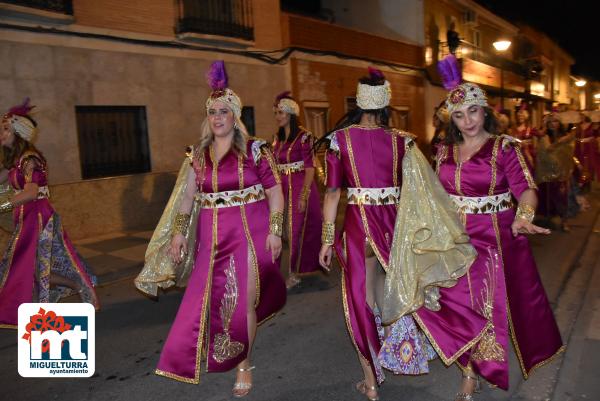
[294, 154]
[40, 263]
[527, 134]
[554, 169]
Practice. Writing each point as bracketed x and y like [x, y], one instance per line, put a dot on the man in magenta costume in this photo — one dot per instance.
[294, 154]
[231, 191]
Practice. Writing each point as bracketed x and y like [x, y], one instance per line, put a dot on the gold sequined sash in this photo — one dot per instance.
[483, 204]
[290, 168]
[373, 196]
[216, 200]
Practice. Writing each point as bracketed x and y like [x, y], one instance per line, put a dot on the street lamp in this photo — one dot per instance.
[580, 82]
[502, 46]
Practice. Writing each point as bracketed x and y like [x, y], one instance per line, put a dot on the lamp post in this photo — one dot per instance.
[502, 46]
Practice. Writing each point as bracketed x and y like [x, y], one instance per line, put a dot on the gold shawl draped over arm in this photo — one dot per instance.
[430, 248]
[554, 161]
[159, 270]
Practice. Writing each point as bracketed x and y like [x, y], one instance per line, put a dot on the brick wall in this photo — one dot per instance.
[143, 16]
[333, 83]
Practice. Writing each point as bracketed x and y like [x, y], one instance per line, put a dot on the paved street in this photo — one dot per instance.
[305, 352]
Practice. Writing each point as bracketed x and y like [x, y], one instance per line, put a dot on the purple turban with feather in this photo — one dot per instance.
[459, 93]
[20, 121]
[286, 103]
[373, 97]
[218, 81]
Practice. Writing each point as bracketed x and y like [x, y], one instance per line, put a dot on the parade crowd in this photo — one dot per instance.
[432, 250]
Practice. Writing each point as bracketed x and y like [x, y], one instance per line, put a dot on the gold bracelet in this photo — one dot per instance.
[180, 225]
[525, 212]
[276, 223]
[328, 233]
[6, 206]
[305, 193]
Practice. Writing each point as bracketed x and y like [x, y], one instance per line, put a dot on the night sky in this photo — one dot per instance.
[572, 24]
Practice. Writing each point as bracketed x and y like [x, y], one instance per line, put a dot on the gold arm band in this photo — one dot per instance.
[305, 192]
[180, 225]
[276, 223]
[525, 212]
[328, 233]
[6, 207]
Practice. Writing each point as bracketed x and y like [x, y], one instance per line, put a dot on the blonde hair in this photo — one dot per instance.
[240, 136]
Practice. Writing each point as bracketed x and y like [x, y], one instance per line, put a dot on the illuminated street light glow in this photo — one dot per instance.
[580, 82]
[502, 45]
[597, 96]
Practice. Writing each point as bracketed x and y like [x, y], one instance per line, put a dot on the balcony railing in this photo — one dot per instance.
[468, 50]
[231, 18]
[57, 6]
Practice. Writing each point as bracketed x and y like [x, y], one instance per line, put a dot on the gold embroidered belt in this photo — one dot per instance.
[217, 200]
[373, 196]
[43, 192]
[483, 204]
[290, 168]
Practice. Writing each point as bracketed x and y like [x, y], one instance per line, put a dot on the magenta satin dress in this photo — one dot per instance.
[303, 229]
[38, 247]
[528, 136]
[587, 152]
[503, 283]
[360, 157]
[230, 240]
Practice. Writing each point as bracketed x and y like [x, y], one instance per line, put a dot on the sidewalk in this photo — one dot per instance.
[115, 256]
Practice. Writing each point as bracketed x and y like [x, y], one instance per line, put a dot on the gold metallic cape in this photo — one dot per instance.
[159, 270]
[430, 247]
[554, 162]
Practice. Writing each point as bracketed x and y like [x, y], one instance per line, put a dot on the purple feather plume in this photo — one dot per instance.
[216, 77]
[22, 109]
[375, 73]
[283, 95]
[450, 72]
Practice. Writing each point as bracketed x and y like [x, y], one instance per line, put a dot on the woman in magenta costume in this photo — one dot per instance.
[293, 151]
[554, 169]
[587, 148]
[39, 254]
[232, 193]
[368, 159]
[527, 134]
[484, 173]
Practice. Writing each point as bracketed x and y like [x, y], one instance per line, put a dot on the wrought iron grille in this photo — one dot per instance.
[113, 140]
[232, 18]
[59, 6]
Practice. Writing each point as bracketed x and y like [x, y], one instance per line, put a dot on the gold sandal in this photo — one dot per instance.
[469, 375]
[363, 388]
[241, 389]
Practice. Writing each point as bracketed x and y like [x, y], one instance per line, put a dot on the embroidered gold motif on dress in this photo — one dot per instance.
[216, 200]
[483, 204]
[224, 347]
[290, 168]
[488, 349]
[373, 196]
